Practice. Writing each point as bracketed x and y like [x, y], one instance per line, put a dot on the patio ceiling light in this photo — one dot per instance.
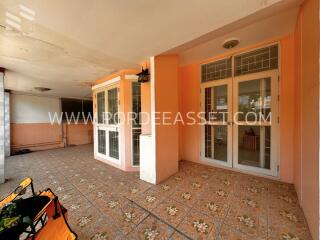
[230, 43]
[144, 75]
[42, 89]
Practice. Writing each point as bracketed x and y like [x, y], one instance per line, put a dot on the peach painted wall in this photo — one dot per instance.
[307, 125]
[190, 94]
[31, 127]
[78, 134]
[287, 106]
[35, 136]
[166, 100]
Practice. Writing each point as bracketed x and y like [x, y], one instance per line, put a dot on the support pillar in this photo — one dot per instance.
[159, 148]
[2, 158]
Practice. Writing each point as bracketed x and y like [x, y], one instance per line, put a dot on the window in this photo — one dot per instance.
[259, 60]
[256, 61]
[100, 106]
[102, 141]
[80, 109]
[113, 105]
[216, 70]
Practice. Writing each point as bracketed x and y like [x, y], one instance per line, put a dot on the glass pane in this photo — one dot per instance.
[136, 146]
[254, 146]
[113, 144]
[216, 142]
[113, 105]
[136, 103]
[100, 106]
[102, 141]
[254, 101]
[216, 70]
[256, 61]
[216, 103]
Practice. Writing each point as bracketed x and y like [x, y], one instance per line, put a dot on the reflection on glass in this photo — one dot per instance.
[216, 142]
[102, 141]
[254, 146]
[113, 105]
[216, 104]
[100, 106]
[254, 99]
[113, 144]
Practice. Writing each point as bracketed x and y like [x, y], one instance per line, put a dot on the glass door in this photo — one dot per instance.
[255, 124]
[108, 124]
[217, 129]
[136, 123]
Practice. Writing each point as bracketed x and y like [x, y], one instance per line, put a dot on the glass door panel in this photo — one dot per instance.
[100, 106]
[136, 122]
[217, 131]
[107, 127]
[113, 106]
[255, 124]
[102, 142]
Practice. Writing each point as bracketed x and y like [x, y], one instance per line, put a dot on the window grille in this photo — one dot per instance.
[216, 70]
[256, 61]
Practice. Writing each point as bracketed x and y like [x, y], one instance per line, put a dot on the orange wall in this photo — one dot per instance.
[78, 134]
[307, 122]
[166, 100]
[190, 101]
[42, 136]
[35, 136]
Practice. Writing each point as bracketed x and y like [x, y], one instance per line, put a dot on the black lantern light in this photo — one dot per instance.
[144, 76]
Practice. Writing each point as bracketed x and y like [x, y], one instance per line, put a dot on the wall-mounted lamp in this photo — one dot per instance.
[143, 76]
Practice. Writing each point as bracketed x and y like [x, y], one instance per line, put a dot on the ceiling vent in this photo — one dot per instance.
[42, 89]
[230, 43]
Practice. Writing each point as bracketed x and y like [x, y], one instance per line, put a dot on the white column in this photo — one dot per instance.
[159, 152]
[2, 127]
[7, 124]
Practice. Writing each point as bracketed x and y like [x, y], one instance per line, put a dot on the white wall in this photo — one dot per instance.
[32, 109]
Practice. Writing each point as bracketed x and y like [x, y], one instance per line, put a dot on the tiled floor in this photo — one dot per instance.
[199, 202]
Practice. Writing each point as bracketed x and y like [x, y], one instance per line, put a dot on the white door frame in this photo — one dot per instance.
[233, 128]
[228, 82]
[274, 153]
[108, 127]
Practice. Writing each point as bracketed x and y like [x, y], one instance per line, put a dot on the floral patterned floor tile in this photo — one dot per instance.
[213, 207]
[229, 233]
[178, 236]
[198, 202]
[247, 222]
[149, 199]
[171, 212]
[151, 229]
[199, 226]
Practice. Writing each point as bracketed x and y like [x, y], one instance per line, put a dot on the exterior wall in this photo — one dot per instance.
[78, 134]
[31, 128]
[32, 109]
[306, 177]
[190, 101]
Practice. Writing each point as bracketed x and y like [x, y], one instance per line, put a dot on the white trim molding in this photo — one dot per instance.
[107, 83]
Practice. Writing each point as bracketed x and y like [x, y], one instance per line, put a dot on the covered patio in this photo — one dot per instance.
[198, 202]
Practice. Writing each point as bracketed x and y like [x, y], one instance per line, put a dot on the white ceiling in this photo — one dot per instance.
[71, 43]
